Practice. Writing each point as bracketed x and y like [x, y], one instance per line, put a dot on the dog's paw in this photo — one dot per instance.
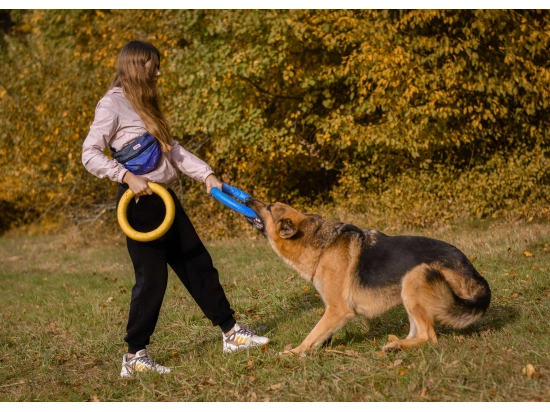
[296, 351]
[392, 347]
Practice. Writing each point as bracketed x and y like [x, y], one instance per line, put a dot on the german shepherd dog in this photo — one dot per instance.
[366, 272]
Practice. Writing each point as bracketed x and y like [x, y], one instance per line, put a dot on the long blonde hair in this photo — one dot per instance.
[140, 89]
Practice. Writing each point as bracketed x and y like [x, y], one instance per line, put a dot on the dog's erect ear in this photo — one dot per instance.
[287, 229]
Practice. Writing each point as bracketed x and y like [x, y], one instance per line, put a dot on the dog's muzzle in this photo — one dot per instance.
[256, 223]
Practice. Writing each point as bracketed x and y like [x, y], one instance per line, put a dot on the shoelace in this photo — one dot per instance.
[244, 331]
[143, 359]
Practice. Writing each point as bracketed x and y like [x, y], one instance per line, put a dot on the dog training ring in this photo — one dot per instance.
[159, 231]
[222, 196]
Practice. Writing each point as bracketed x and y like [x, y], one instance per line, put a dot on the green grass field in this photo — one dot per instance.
[64, 302]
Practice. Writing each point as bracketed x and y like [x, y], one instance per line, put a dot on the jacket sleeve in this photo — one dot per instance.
[189, 164]
[102, 130]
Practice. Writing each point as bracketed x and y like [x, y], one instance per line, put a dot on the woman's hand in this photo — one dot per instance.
[212, 181]
[138, 185]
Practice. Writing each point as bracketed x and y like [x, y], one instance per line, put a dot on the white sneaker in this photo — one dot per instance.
[141, 362]
[242, 338]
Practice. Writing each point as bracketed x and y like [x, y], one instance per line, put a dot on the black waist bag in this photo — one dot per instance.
[140, 156]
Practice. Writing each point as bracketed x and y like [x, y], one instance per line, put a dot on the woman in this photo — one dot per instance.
[129, 111]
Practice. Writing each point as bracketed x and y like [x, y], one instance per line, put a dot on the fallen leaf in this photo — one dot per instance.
[527, 254]
[176, 286]
[423, 392]
[320, 311]
[252, 379]
[515, 295]
[51, 325]
[44, 279]
[392, 338]
[402, 371]
[530, 371]
[381, 354]
[350, 352]
[305, 288]
[110, 299]
[397, 362]
[276, 387]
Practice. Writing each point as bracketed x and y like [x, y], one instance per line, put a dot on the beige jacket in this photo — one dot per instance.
[116, 124]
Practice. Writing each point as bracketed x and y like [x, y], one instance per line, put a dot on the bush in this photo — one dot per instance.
[408, 118]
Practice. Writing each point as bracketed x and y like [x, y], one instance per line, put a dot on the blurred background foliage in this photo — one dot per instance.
[390, 119]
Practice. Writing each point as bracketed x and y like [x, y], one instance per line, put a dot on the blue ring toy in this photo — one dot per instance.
[222, 196]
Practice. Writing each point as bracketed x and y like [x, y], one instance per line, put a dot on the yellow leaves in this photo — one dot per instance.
[528, 254]
[320, 312]
[305, 288]
[530, 372]
[402, 371]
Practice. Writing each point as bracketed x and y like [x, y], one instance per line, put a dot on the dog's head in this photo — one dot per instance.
[278, 221]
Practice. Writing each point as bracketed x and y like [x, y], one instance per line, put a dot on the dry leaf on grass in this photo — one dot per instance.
[402, 371]
[276, 387]
[530, 371]
[381, 354]
[424, 392]
[320, 311]
[527, 254]
[351, 352]
[305, 288]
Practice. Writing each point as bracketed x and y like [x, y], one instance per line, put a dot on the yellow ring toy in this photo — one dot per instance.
[159, 231]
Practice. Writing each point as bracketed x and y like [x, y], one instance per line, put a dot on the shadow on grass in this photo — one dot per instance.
[395, 322]
[496, 318]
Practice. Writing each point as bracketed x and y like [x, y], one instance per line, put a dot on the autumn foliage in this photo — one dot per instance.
[407, 118]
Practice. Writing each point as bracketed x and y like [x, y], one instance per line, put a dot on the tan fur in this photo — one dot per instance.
[308, 244]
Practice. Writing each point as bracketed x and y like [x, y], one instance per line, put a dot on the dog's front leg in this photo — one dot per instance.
[332, 321]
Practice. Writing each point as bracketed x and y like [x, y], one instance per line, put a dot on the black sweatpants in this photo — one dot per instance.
[182, 249]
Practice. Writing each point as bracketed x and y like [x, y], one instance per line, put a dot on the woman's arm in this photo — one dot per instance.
[102, 130]
[194, 167]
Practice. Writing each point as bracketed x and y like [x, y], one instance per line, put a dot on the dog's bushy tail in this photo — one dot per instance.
[462, 298]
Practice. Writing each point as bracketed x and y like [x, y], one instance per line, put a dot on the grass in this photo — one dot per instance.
[64, 302]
